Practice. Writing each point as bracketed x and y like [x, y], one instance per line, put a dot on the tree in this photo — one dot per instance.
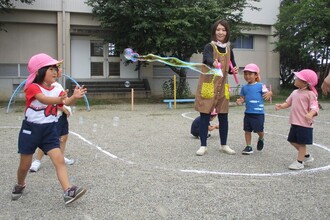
[165, 27]
[304, 37]
[6, 5]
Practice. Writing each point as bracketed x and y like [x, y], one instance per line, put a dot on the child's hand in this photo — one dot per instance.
[211, 128]
[309, 116]
[64, 97]
[278, 107]
[267, 95]
[79, 92]
[239, 101]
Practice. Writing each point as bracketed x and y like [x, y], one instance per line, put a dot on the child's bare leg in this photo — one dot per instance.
[302, 150]
[39, 154]
[23, 168]
[295, 145]
[248, 138]
[63, 140]
[58, 160]
[261, 135]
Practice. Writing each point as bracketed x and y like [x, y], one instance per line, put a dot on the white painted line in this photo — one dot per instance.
[313, 170]
[185, 115]
[100, 148]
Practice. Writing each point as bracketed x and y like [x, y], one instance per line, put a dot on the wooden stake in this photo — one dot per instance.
[132, 99]
[174, 90]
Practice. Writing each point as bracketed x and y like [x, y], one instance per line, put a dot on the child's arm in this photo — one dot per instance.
[314, 110]
[77, 94]
[281, 106]
[65, 110]
[310, 115]
[50, 100]
[240, 100]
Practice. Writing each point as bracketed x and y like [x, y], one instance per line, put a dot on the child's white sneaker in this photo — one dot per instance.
[296, 166]
[201, 151]
[226, 149]
[35, 166]
[68, 161]
[308, 160]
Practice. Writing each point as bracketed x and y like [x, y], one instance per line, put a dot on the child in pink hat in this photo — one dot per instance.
[39, 126]
[253, 95]
[304, 107]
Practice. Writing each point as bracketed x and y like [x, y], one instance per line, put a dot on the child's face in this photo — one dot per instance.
[300, 84]
[250, 77]
[221, 33]
[51, 75]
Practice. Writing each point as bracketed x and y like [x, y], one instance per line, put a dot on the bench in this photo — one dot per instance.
[170, 101]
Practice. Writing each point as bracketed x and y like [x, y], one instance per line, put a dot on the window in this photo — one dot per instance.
[97, 69]
[112, 50]
[114, 69]
[96, 49]
[14, 70]
[105, 61]
[244, 42]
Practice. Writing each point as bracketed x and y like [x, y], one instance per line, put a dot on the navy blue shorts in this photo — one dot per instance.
[300, 135]
[254, 122]
[34, 135]
[63, 125]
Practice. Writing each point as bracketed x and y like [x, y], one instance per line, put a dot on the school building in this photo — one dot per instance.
[65, 29]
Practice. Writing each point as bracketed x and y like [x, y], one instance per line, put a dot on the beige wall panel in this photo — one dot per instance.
[84, 19]
[22, 41]
[39, 17]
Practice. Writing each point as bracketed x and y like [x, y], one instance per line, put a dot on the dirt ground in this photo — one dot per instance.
[141, 164]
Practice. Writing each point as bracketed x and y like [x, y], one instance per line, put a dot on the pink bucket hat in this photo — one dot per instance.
[253, 68]
[308, 76]
[35, 63]
[214, 112]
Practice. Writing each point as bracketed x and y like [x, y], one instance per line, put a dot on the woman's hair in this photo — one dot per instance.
[41, 75]
[214, 28]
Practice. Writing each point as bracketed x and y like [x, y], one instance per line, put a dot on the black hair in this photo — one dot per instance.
[215, 26]
[41, 75]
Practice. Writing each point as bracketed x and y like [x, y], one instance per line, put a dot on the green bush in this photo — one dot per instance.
[168, 87]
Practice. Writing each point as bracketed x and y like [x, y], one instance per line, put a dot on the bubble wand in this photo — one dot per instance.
[171, 61]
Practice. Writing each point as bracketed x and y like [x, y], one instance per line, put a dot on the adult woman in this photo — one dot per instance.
[216, 54]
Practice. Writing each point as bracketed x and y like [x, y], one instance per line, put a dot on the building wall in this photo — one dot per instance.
[60, 28]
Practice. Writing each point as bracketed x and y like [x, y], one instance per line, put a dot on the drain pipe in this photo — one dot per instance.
[63, 43]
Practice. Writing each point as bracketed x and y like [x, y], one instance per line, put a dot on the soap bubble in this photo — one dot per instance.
[128, 53]
[94, 127]
[81, 120]
[127, 84]
[115, 121]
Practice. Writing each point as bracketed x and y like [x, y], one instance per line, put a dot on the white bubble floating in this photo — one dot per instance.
[94, 127]
[81, 120]
[115, 121]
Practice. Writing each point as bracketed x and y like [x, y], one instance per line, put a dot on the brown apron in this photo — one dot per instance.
[219, 101]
